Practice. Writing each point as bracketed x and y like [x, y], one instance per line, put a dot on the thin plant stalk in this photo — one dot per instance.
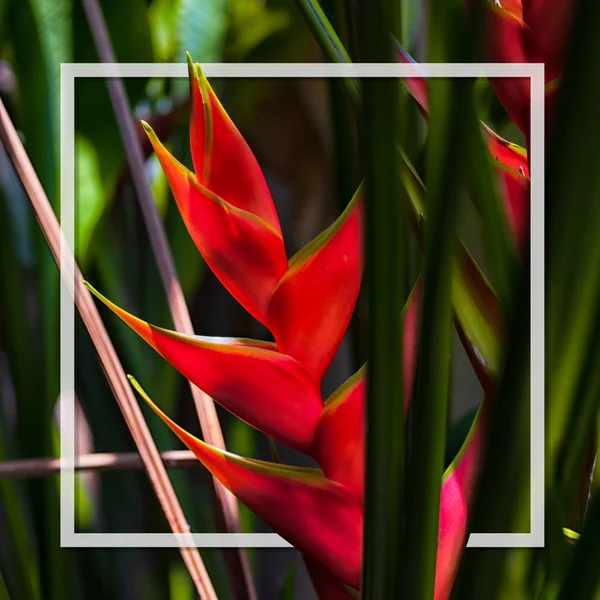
[385, 231]
[429, 410]
[97, 461]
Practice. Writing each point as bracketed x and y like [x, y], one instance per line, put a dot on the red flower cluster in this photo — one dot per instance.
[306, 302]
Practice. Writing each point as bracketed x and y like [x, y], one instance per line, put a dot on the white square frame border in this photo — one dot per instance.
[70, 72]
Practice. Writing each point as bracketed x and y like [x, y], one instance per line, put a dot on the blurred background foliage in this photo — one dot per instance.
[305, 141]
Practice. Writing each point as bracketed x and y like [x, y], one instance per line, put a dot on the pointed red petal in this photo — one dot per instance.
[515, 189]
[339, 440]
[514, 7]
[268, 390]
[327, 586]
[245, 253]
[313, 303]
[418, 87]
[222, 159]
[505, 152]
[511, 41]
[456, 501]
[319, 517]
[551, 22]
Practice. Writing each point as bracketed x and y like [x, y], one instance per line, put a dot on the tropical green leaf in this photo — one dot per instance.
[95, 122]
[202, 27]
[89, 195]
[287, 588]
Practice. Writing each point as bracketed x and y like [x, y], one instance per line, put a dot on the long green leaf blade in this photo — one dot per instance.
[428, 419]
[384, 497]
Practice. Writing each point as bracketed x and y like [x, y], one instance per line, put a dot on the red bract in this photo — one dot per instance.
[218, 147]
[307, 304]
[507, 153]
[339, 440]
[550, 22]
[535, 32]
[511, 41]
[515, 189]
[455, 504]
[235, 374]
[317, 515]
[313, 302]
[243, 251]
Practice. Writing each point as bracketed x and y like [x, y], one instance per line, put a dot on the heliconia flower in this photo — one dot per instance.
[307, 303]
[550, 22]
[218, 147]
[323, 518]
[510, 40]
[537, 31]
[341, 454]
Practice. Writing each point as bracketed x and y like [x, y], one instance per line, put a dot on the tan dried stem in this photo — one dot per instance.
[106, 352]
[96, 461]
[209, 421]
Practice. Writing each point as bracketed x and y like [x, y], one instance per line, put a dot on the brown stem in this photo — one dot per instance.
[209, 422]
[114, 371]
[97, 461]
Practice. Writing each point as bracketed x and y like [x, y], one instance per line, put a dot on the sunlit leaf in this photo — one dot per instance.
[245, 253]
[89, 196]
